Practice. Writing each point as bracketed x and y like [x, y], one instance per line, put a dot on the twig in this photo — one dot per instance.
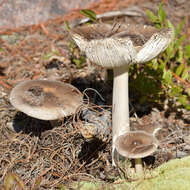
[44, 29]
[132, 11]
[180, 79]
[5, 85]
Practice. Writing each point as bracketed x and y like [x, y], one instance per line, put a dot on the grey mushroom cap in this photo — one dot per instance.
[136, 144]
[46, 100]
[111, 46]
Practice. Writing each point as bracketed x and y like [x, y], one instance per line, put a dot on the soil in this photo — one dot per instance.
[61, 154]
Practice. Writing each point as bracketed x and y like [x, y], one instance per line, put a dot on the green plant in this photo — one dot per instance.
[89, 13]
[75, 55]
[159, 19]
[79, 61]
[168, 75]
[12, 181]
[173, 175]
[48, 55]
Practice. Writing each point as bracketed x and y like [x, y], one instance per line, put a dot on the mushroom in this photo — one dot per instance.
[150, 128]
[117, 48]
[136, 145]
[46, 100]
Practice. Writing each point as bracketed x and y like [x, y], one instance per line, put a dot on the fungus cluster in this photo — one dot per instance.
[110, 47]
[118, 48]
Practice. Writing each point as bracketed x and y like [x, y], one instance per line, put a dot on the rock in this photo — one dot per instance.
[181, 154]
[96, 124]
[187, 147]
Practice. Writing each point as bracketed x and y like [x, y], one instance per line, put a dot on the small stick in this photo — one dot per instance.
[180, 79]
[5, 85]
[44, 29]
[125, 12]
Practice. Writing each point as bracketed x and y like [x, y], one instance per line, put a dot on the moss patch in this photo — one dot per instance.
[173, 175]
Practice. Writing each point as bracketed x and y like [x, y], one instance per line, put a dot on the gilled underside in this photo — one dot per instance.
[139, 34]
[128, 44]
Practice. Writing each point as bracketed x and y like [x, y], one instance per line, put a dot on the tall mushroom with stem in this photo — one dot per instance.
[118, 47]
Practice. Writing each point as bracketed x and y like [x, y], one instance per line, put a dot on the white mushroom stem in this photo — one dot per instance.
[138, 166]
[120, 110]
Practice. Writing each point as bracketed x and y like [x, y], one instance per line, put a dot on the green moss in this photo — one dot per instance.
[178, 179]
[173, 175]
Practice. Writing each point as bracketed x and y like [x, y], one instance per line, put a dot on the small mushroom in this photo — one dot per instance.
[148, 128]
[136, 145]
[118, 48]
[46, 100]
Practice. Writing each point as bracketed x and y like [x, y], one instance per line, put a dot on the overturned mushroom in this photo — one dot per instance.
[118, 48]
[46, 100]
[136, 145]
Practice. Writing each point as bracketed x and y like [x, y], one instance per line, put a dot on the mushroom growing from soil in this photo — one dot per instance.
[136, 145]
[117, 48]
[45, 99]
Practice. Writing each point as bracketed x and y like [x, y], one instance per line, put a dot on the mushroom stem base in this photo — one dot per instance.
[138, 166]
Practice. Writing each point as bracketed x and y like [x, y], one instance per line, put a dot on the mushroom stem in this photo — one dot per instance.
[138, 166]
[120, 110]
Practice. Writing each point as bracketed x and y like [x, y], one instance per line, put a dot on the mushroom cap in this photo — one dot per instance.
[46, 100]
[150, 128]
[111, 46]
[136, 144]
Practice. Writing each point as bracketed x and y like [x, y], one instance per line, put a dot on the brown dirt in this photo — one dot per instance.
[34, 149]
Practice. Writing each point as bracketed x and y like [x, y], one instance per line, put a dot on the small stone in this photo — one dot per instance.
[187, 147]
[187, 139]
[96, 124]
[10, 126]
[181, 154]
